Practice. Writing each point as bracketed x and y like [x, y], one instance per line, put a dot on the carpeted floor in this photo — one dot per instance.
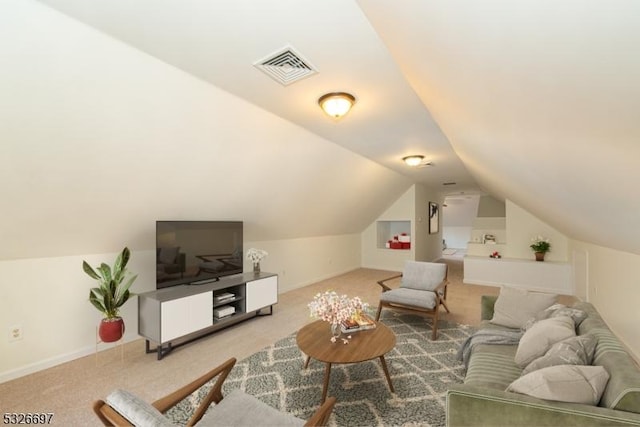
[421, 371]
[68, 390]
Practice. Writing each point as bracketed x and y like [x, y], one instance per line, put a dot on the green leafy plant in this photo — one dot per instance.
[113, 289]
[540, 244]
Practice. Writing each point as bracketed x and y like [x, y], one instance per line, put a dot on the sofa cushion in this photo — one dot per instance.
[515, 306]
[492, 366]
[541, 336]
[564, 383]
[135, 410]
[576, 350]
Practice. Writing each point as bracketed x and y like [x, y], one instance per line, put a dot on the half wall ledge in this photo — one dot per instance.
[548, 276]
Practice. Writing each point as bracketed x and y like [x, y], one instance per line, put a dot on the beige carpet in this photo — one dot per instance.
[68, 390]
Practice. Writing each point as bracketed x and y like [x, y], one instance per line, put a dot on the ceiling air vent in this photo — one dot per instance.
[286, 66]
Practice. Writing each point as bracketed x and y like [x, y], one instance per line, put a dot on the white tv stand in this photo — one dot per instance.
[177, 315]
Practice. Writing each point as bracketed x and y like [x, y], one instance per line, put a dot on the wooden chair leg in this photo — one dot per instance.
[379, 311]
[434, 327]
[445, 305]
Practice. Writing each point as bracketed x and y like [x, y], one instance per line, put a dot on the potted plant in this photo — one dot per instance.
[112, 292]
[540, 246]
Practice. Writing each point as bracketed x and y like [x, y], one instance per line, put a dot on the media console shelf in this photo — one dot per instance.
[175, 316]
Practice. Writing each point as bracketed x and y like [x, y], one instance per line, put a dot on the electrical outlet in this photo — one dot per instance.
[15, 333]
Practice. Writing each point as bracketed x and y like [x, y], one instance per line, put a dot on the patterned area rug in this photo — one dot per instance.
[421, 371]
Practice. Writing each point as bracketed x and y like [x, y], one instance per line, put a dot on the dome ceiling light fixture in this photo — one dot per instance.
[415, 160]
[336, 104]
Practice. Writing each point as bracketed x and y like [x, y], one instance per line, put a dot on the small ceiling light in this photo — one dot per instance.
[336, 104]
[414, 160]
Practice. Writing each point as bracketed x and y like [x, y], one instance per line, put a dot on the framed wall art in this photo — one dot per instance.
[434, 218]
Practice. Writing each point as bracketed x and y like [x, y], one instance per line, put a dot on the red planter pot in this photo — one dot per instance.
[111, 329]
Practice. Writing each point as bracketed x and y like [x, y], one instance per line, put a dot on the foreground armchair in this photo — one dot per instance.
[237, 409]
[422, 291]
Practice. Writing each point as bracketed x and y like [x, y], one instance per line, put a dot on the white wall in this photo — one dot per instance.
[489, 206]
[613, 279]
[99, 141]
[518, 268]
[456, 237]
[390, 259]
[428, 246]
[411, 206]
[522, 227]
[457, 219]
[300, 262]
[49, 297]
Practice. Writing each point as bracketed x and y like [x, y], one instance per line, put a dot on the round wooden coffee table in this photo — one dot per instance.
[314, 340]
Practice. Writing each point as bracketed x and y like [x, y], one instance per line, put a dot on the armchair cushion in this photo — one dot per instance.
[410, 297]
[135, 410]
[423, 276]
[241, 409]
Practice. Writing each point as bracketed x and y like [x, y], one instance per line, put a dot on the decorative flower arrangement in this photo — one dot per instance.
[335, 309]
[256, 255]
[540, 244]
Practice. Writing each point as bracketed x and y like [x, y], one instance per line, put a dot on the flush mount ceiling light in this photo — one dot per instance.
[414, 160]
[336, 104]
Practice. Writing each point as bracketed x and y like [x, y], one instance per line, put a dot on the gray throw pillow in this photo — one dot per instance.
[557, 310]
[515, 306]
[576, 350]
[537, 340]
[564, 383]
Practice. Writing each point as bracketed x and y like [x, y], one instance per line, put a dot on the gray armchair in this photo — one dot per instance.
[237, 409]
[422, 291]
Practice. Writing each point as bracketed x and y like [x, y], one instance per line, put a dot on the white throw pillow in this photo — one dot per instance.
[515, 306]
[541, 336]
[564, 383]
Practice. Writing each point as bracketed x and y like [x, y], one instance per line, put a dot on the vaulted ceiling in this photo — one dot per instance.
[536, 101]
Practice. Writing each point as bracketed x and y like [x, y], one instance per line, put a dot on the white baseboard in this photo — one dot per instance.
[55, 361]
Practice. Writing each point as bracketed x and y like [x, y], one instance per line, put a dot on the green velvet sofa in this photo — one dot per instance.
[483, 401]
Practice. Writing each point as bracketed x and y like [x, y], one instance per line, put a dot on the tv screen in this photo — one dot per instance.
[192, 252]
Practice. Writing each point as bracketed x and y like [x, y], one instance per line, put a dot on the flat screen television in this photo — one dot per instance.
[196, 252]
